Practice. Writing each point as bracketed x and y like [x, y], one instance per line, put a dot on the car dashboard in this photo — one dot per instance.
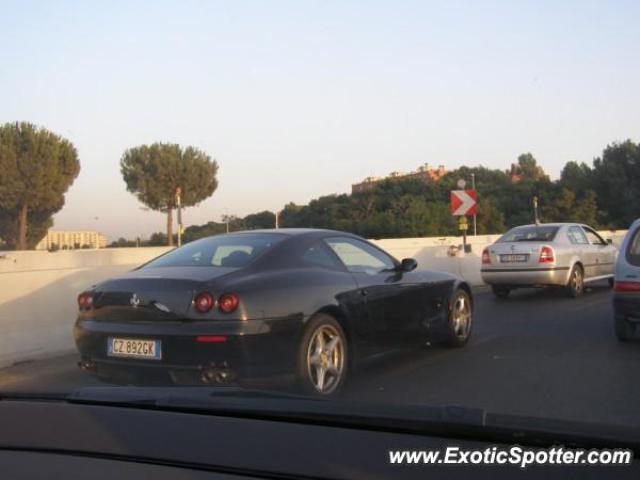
[52, 439]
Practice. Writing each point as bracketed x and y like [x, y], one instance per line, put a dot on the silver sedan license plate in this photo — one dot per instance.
[134, 348]
[513, 258]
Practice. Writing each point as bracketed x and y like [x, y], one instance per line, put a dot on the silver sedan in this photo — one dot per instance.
[550, 254]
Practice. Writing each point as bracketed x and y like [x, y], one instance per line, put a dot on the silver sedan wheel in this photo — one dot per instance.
[461, 317]
[325, 359]
[577, 282]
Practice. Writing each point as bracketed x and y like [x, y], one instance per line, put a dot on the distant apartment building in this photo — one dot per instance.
[424, 173]
[70, 240]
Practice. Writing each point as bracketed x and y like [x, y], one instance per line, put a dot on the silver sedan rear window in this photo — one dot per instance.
[540, 233]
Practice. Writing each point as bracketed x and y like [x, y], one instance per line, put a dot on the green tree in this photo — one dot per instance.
[264, 219]
[577, 177]
[39, 222]
[37, 167]
[158, 239]
[616, 183]
[194, 232]
[232, 223]
[490, 218]
[122, 242]
[413, 208]
[153, 173]
[289, 216]
[527, 168]
[586, 210]
[565, 206]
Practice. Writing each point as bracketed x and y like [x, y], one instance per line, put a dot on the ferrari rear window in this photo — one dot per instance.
[231, 251]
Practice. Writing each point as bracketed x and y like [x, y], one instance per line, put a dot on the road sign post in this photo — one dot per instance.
[463, 226]
[473, 187]
[463, 204]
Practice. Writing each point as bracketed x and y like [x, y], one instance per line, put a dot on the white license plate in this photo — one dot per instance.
[134, 348]
[513, 258]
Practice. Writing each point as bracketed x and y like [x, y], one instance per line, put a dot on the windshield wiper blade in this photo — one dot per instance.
[447, 421]
[26, 395]
[162, 395]
[275, 405]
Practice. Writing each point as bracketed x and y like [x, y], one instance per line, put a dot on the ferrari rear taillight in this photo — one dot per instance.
[625, 287]
[85, 301]
[203, 302]
[211, 339]
[228, 302]
[546, 255]
[486, 258]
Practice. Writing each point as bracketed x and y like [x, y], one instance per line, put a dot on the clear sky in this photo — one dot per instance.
[299, 99]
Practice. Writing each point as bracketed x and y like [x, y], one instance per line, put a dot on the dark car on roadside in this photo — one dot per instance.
[312, 303]
[626, 290]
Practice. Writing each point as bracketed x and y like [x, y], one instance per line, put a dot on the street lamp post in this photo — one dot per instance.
[225, 217]
[473, 186]
[179, 211]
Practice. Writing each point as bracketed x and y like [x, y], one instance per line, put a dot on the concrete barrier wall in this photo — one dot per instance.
[38, 289]
[436, 254]
[38, 293]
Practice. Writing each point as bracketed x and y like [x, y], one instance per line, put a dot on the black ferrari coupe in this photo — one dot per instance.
[224, 308]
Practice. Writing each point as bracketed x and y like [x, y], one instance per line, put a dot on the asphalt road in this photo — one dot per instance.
[538, 353]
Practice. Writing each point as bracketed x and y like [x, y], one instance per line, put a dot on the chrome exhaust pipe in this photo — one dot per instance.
[219, 376]
[87, 365]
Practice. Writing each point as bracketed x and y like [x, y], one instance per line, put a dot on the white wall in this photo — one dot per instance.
[38, 289]
[434, 253]
[38, 292]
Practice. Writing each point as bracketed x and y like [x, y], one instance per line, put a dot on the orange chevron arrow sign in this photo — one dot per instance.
[463, 202]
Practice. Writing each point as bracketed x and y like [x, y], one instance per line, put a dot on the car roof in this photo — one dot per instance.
[556, 224]
[293, 231]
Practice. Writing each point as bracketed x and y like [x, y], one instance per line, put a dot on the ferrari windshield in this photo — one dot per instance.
[230, 251]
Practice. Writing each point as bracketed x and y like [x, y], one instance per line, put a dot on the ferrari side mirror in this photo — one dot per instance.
[408, 264]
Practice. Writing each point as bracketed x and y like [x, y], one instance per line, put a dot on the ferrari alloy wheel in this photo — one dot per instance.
[323, 356]
[460, 318]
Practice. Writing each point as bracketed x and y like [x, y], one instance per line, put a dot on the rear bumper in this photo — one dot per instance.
[251, 348]
[525, 276]
[627, 306]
